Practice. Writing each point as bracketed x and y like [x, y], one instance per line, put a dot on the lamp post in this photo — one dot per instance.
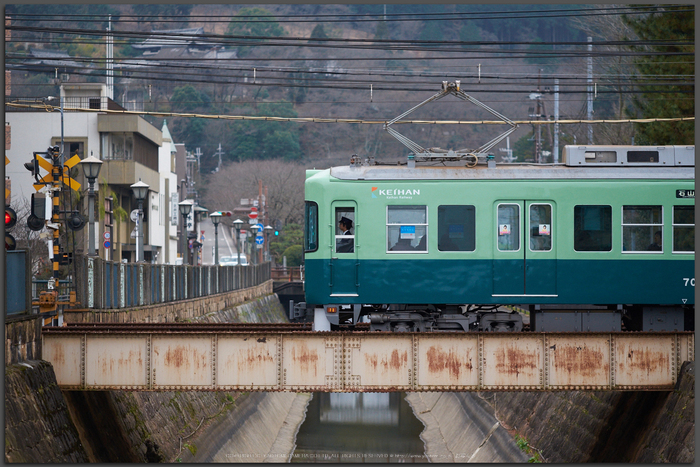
[267, 230]
[140, 191]
[91, 169]
[215, 219]
[185, 208]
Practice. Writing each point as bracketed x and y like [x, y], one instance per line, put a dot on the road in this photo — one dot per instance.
[227, 246]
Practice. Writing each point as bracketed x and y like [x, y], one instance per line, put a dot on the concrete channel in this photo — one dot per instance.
[459, 427]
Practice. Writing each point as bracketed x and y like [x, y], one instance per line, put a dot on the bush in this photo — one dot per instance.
[294, 255]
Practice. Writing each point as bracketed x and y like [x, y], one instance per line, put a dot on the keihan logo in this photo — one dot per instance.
[395, 193]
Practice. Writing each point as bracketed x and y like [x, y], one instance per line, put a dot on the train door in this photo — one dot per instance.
[344, 264]
[524, 257]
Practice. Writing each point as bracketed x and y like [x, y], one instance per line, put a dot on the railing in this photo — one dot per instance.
[107, 284]
[288, 274]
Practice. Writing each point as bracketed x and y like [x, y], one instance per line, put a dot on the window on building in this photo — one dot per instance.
[684, 229]
[407, 229]
[456, 228]
[592, 228]
[508, 228]
[642, 229]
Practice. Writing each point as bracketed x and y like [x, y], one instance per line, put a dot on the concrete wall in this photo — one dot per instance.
[591, 426]
[22, 339]
[460, 427]
[183, 310]
[43, 424]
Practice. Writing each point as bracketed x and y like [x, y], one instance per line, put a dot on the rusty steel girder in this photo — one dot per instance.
[305, 361]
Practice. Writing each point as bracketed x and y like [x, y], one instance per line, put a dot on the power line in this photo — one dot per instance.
[359, 18]
[50, 108]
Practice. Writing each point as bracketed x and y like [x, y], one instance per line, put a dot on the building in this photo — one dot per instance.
[131, 150]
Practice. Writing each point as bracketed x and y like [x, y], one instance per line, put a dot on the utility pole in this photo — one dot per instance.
[590, 89]
[110, 63]
[556, 121]
[538, 142]
[219, 153]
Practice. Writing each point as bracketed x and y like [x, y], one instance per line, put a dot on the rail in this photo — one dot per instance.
[107, 284]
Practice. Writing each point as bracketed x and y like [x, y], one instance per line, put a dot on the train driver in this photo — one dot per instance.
[346, 245]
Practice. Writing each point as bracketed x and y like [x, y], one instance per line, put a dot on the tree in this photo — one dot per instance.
[251, 139]
[254, 22]
[291, 235]
[666, 100]
[285, 188]
[319, 32]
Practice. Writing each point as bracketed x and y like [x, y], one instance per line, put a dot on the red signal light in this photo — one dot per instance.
[10, 217]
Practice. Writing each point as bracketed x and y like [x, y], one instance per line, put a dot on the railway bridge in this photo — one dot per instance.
[135, 336]
[291, 357]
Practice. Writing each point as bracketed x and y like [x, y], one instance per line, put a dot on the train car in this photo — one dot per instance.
[602, 242]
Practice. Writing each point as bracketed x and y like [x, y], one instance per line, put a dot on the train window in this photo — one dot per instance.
[592, 228]
[344, 230]
[508, 227]
[540, 227]
[684, 229]
[456, 228]
[311, 231]
[642, 229]
[407, 228]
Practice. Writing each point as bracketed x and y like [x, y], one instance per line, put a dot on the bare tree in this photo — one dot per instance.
[31, 241]
[284, 181]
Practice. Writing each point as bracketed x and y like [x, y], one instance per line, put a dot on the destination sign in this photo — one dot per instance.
[685, 193]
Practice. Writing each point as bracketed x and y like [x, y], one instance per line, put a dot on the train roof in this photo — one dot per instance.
[510, 172]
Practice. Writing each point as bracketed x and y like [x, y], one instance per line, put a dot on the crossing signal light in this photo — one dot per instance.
[10, 221]
[37, 215]
[75, 221]
[10, 217]
[32, 166]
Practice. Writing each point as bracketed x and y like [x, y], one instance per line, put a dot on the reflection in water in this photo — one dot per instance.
[359, 427]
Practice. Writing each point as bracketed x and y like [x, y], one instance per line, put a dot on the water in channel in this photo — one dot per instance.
[359, 427]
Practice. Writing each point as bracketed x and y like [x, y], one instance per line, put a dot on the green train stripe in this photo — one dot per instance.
[401, 281]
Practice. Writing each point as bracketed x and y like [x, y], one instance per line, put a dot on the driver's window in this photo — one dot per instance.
[344, 230]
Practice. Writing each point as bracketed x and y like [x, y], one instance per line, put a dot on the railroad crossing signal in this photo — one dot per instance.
[10, 221]
[33, 167]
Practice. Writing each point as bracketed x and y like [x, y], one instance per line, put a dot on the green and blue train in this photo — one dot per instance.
[602, 242]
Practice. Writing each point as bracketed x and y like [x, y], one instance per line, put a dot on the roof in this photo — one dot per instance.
[510, 172]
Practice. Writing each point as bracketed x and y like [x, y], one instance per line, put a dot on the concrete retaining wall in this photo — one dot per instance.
[261, 429]
[591, 426]
[43, 424]
[184, 310]
[22, 339]
[460, 427]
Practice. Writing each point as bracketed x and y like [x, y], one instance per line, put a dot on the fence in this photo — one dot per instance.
[288, 274]
[108, 284]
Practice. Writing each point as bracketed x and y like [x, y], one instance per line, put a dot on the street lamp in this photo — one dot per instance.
[185, 207]
[267, 230]
[215, 219]
[237, 224]
[91, 169]
[140, 191]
